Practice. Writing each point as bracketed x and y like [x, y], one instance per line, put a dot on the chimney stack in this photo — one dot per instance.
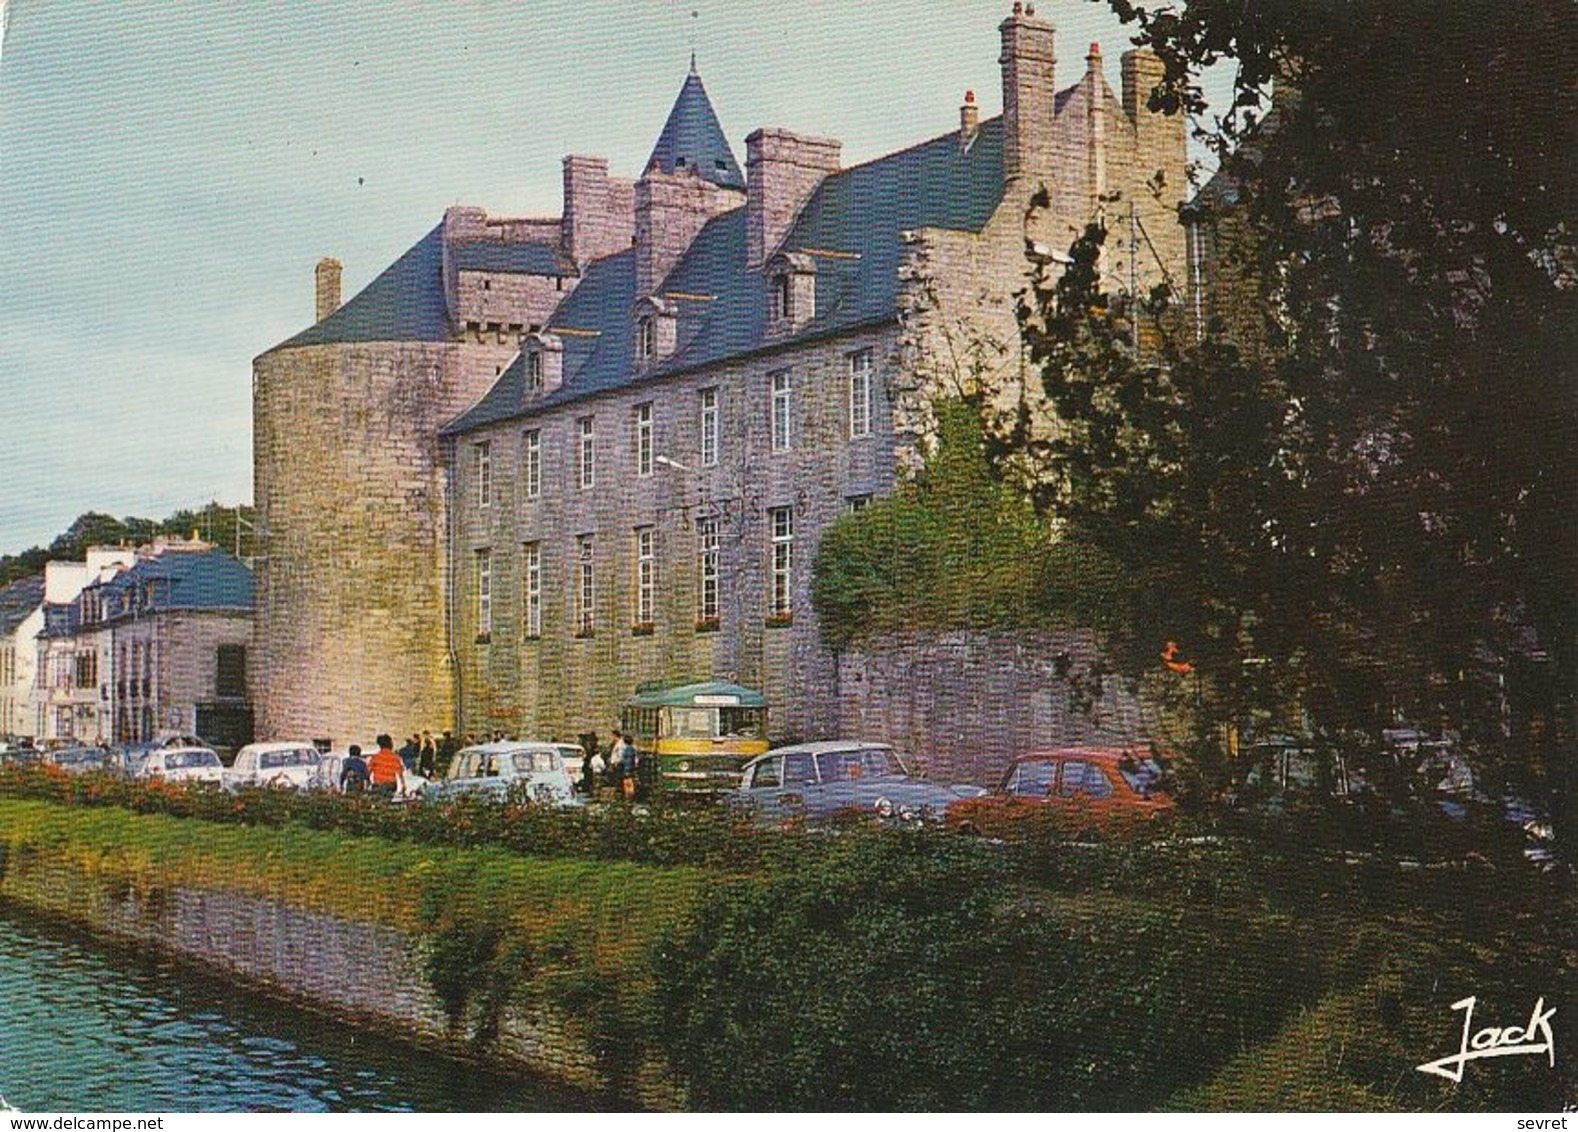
[782, 170]
[327, 277]
[969, 120]
[1029, 91]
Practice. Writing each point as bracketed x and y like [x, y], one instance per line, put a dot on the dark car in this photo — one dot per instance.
[819, 782]
[1071, 791]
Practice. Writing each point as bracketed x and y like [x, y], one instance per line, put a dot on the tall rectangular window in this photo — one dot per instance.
[709, 428]
[533, 369]
[230, 675]
[586, 587]
[644, 439]
[585, 453]
[531, 462]
[781, 406]
[707, 551]
[860, 393]
[484, 592]
[646, 575]
[782, 520]
[484, 461]
[531, 588]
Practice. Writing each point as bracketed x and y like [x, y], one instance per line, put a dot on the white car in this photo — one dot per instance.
[283, 765]
[183, 764]
[536, 770]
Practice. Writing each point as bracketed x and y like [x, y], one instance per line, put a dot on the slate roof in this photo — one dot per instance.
[692, 138]
[183, 580]
[522, 259]
[858, 214]
[18, 601]
[404, 304]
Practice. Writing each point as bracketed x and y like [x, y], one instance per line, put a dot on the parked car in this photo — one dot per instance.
[183, 764]
[1072, 791]
[574, 756]
[817, 782]
[535, 771]
[79, 760]
[287, 765]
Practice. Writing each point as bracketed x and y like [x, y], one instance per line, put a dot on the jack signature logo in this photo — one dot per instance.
[1492, 1041]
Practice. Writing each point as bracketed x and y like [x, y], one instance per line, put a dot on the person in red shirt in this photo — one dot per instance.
[386, 770]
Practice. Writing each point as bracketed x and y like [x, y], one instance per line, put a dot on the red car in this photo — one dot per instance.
[1071, 791]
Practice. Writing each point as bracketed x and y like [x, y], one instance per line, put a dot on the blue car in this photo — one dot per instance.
[817, 782]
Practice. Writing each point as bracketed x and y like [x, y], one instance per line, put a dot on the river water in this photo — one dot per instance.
[88, 1027]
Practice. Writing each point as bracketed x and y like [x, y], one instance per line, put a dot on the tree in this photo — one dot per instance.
[1357, 499]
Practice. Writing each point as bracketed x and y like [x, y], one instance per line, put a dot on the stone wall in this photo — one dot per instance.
[363, 973]
[185, 647]
[962, 704]
[350, 633]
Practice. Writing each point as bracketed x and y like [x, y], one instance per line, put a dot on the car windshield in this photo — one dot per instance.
[1144, 776]
[298, 756]
[847, 766]
[535, 762]
[74, 758]
[178, 760]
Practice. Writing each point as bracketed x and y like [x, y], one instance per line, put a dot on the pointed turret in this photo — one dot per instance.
[692, 138]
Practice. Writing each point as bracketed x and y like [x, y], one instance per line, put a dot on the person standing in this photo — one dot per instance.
[386, 770]
[447, 747]
[588, 764]
[625, 754]
[426, 756]
[353, 773]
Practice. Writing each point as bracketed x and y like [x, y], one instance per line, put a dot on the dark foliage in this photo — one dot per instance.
[228, 527]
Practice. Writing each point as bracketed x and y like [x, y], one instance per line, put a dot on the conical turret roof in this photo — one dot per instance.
[692, 138]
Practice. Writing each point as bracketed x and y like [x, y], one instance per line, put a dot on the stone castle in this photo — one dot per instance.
[536, 461]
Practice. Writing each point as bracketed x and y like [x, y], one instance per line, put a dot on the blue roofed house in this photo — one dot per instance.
[155, 641]
[729, 366]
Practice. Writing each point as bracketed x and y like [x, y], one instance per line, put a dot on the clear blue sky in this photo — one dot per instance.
[170, 171]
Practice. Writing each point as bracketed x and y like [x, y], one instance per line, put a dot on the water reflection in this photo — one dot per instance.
[84, 1027]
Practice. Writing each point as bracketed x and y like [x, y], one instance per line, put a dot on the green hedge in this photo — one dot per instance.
[914, 974]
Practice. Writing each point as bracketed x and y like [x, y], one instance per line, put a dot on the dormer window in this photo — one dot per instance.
[657, 329]
[783, 297]
[542, 362]
[791, 291]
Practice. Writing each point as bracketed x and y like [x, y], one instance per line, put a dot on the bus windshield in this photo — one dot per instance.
[712, 723]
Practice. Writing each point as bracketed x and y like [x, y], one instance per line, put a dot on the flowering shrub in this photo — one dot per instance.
[651, 834]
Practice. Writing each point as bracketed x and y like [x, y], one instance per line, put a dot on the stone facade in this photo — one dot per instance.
[135, 642]
[561, 680]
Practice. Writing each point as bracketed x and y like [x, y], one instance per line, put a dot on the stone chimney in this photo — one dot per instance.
[782, 170]
[599, 211]
[1029, 93]
[969, 120]
[1143, 72]
[671, 209]
[327, 277]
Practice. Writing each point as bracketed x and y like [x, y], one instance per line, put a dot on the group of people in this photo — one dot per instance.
[383, 774]
[620, 767]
